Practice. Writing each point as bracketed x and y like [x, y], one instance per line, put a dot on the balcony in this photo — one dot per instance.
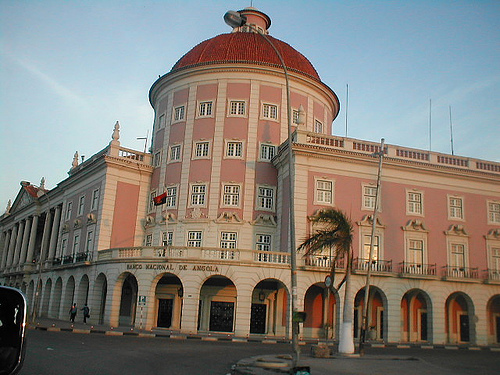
[492, 275]
[453, 272]
[418, 269]
[362, 264]
[323, 261]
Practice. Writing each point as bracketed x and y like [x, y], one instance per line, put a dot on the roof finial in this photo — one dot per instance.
[9, 206]
[116, 132]
[74, 164]
[42, 183]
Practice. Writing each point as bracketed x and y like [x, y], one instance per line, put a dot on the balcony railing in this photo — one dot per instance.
[492, 275]
[271, 257]
[460, 272]
[323, 261]
[417, 269]
[361, 264]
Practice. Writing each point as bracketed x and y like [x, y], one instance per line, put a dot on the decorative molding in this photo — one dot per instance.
[196, 213]
[415, 225]
[265, 219]
[367, 220]
[168, 217]
[456, 230]
[77, 224]
[228, 217]
[493, 234]
[91, 219]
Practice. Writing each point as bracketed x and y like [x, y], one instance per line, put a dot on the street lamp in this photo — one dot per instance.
[236, 19]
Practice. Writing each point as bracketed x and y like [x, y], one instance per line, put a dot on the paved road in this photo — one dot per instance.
[56, 353]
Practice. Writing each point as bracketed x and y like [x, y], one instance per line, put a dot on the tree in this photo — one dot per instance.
[335, 233]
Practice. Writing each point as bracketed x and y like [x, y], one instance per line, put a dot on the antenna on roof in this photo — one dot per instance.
[145, 140]
[451, 133]
[346, 107]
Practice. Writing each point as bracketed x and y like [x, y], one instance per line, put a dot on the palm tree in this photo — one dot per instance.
[335, 234]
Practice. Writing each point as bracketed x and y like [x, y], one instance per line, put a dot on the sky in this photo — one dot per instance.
[70, 69]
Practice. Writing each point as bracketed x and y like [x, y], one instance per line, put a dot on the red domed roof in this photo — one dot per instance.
[243, 47]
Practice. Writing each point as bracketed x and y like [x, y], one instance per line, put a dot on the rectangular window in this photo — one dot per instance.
[414, 201]
[455, 205]
[324, 191]
[90, 242]
[318, 126]
[231, 195]
[149, 240]
[171, 196]
[366, 246]
[228, 240]
[267, 152]
[494, 212]
[266, 198]
[95, 199]
[175, 152]
[81, 205]
[457, 255]
[64, 246]
[205, 109]
[179, 113]
[161, 121]
[194, 238]
[167, 238]
[295, 116]
[234, 149]
[69, 209]
[201, 149]
[157, 159]
[416, 251]
[270, 111]
[263, 242]
[237, 108]
[198, 195]
[369, 196]
[76, 244]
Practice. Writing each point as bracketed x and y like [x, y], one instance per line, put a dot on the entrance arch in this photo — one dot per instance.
[47, 291]
[56, 300]
[493, 310]
[416, 316]
[128, 300]
[377, 305]
[98, 304]
[269, 309]
[460, 326]
[168, 302]
[217, 305]
[69, 295]
[83, 292]
[321, 307]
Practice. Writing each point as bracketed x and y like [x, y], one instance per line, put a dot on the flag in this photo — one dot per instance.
[160, 199]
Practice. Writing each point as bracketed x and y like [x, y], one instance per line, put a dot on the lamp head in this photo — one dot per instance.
[234, 19]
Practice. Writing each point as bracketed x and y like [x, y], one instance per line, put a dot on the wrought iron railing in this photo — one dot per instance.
[417, 269]
[362, 264]
[460, 272]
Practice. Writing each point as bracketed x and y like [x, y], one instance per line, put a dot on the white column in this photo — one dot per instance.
[54, 233]
[5, 251]
[19, 241]
[46, 236]
[12, 244]
[32, 239]
[26, 236]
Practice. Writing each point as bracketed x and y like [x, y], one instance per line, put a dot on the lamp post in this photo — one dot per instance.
[236, 19]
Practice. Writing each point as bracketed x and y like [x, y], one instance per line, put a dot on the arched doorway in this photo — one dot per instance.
[69, 295]
[321, 308]
[168, 302]
[56, 300]
[47, 291]
[217, 305]
[460, 325]
[493, 309]
[83, 291]
[98, 304]
[128, 301]
[376, 316]
[416, 316]
[30, 294]
[269, 310]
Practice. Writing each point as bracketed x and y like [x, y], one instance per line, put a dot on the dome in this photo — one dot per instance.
[248, 48]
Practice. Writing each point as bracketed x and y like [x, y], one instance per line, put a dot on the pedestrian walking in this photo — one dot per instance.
[86, 313]
[72, 312]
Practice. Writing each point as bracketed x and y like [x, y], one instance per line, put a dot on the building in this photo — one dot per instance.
[214, 254]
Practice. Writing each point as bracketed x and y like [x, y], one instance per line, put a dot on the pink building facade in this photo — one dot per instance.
[214, 257]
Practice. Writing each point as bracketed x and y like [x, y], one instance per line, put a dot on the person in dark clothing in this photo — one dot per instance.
[86, 313]
[72, 312]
